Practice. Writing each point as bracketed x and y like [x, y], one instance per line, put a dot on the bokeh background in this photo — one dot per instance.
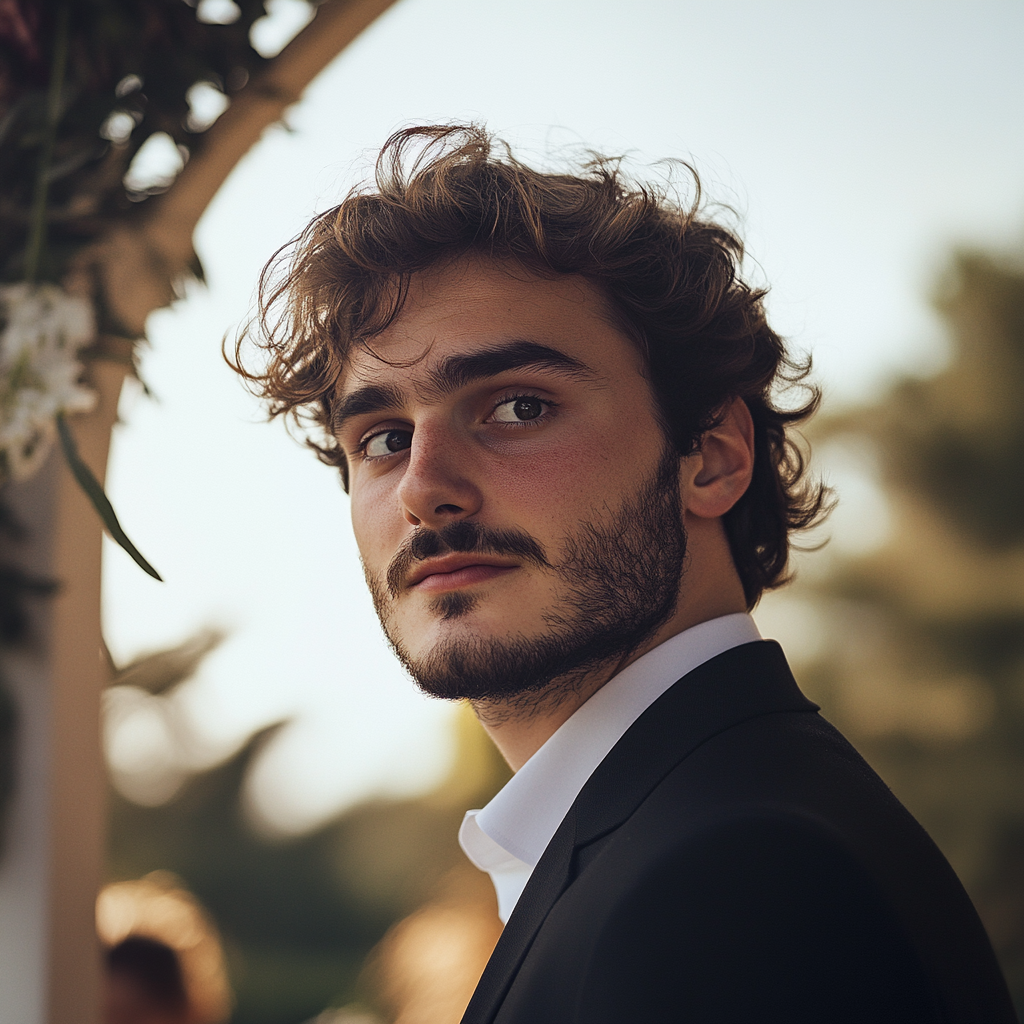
[266, 752]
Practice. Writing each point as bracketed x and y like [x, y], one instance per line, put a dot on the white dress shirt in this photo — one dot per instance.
[506, 838]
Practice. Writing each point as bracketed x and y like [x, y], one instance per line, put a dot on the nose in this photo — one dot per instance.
[439, 483]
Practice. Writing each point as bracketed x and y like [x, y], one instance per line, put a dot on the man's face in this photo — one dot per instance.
[515, 507]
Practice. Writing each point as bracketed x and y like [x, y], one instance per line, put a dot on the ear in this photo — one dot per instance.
[714, 478]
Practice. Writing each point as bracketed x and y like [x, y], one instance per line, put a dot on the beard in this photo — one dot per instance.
[618, 583]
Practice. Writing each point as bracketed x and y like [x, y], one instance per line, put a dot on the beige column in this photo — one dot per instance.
[57, 849]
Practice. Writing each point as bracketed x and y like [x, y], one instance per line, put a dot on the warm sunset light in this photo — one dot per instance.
[664, 365]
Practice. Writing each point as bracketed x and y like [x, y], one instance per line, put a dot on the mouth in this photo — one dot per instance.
[453, 571]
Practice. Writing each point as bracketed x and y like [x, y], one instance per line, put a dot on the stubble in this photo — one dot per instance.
[618, 580]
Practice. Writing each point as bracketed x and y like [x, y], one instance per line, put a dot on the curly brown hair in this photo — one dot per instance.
[670, 277]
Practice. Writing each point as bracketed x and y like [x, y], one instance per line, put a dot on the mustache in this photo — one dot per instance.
[462, 537]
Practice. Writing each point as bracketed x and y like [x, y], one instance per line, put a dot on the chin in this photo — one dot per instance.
[459, 625]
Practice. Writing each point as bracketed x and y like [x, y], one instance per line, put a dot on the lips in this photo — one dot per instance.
[456, 571]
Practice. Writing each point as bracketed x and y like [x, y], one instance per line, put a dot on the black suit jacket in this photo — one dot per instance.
[734, 859]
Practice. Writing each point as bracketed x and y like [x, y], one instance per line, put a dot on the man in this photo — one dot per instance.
[553, 402]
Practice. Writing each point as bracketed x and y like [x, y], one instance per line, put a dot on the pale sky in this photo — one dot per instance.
[858, 141]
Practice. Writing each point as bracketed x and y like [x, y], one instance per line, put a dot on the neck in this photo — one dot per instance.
[520, 726]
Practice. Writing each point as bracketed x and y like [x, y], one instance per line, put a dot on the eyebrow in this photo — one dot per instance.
[454, 372]
[367, 399]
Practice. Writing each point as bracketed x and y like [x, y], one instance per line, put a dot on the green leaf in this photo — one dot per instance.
[94, 492]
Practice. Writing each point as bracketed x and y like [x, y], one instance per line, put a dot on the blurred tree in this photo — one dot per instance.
[925, 663]
[300, 915]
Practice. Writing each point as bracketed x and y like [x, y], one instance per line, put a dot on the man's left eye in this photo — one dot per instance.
[518, 410]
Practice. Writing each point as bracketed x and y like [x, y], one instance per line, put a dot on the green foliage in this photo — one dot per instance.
[925, 670]
[959, 437]
[299, 916]
[129, 67]
[295, 939]
[96, 495]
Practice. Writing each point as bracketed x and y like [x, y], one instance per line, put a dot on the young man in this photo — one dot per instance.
[553, 402]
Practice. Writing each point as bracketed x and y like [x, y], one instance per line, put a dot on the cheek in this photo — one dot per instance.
[556, 485]
[375, 525]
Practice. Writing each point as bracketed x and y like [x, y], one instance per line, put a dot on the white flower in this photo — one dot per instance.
[41, 330]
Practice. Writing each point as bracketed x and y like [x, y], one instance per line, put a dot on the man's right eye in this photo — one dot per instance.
[387, 442]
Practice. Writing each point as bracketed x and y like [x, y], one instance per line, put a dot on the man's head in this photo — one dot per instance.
[536, 386]
[144, 984]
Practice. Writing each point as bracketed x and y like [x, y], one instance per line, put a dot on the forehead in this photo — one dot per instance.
[476, 304]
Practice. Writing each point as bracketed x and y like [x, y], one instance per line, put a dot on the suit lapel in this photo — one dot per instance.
[546, 884]
[745, 682]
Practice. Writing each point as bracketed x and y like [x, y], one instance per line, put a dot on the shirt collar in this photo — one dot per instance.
[508, 836]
